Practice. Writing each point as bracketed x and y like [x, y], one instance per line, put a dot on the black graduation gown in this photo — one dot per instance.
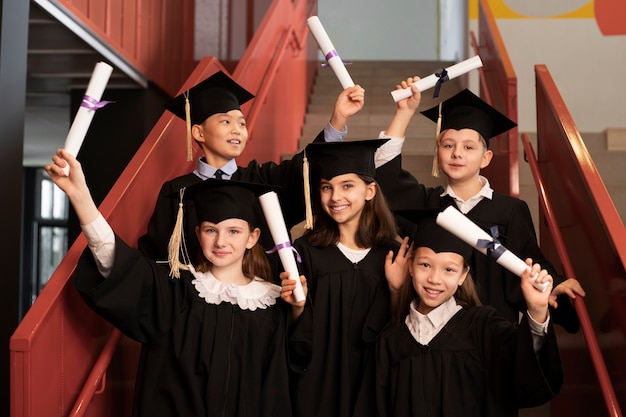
[478, 365]
[287, 175]
[197, 359]
[496, 286]
[331, 348]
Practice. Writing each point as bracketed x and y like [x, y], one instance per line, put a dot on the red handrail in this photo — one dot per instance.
[581, 310]
[97, 375]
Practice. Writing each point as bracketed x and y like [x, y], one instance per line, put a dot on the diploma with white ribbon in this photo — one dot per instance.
[331, 55]
[446, 74]
[462, 227]
[90, 103]
[278, 229]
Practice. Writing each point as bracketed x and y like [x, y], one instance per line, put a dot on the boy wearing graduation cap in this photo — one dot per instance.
[222, 309]
[212, 112]
[465, 125]
[448, 356]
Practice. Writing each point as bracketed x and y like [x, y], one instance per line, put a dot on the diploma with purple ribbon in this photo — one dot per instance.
[459, 225]
[438, 78]
[331, 55]
[91, 102]
[286, 252]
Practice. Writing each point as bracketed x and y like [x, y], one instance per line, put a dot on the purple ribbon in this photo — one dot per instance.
[443, 77]
[91, 103]
[331, 54]
[285, 245]
[490, 245]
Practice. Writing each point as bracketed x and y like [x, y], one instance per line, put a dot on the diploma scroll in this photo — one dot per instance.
[276, 223]
[452, 71]
[331, 55]
[89, 105]
[459, 225]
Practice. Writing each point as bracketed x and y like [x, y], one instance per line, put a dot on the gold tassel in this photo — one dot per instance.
[188, 123]
[307, 193]
[435, 170]
[173, 247]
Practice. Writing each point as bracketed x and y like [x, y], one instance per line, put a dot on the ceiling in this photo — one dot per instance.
[61, 58]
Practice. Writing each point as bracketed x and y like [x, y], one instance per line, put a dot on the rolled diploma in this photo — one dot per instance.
[326, 46]
[99, 79]
[459, 225]
[276, 223]
[429, 82]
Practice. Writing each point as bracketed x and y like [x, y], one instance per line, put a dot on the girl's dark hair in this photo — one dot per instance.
[465, 296]
[255, 263]
[377, 226]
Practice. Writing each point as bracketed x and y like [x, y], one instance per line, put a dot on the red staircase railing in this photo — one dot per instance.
[595, 353]
[590, 232]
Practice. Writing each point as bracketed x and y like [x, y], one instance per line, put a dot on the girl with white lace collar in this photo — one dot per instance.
[212, 331]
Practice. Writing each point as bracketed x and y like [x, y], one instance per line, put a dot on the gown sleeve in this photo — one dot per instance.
[517, 375]
[129, 297]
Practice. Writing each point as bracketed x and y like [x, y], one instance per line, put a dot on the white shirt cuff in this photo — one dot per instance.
[389, 150]
[538, 331]
[101, 242]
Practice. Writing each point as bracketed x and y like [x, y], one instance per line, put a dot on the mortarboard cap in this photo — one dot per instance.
[215, 201]
[218, 200]
[429, 234]
[465, 110]
[217, 94]
[330, 159]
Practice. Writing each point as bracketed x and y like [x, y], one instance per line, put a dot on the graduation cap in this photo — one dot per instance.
[217, 94]
[429, 234]
[330, 159]
[215, 201]
[465, 110]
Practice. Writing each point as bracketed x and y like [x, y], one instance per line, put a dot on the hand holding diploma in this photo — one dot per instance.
[91, 102]
[439, 77]
[331, 55]
[458, 224]
[276, 223]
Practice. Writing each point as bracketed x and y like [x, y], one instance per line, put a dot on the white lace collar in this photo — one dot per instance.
[257, 294]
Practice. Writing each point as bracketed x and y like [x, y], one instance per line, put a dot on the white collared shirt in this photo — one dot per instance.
[465, 206]
[424, 327]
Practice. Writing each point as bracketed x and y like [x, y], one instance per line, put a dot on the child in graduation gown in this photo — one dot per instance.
[213, 334]
[218, 126]
[331, 342]
[465, 125]
[448, 356]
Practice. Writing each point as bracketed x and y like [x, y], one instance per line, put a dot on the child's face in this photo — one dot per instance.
[343, 197]
[436, 276]
[461, 154]
[222, 136]
[225, 243]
